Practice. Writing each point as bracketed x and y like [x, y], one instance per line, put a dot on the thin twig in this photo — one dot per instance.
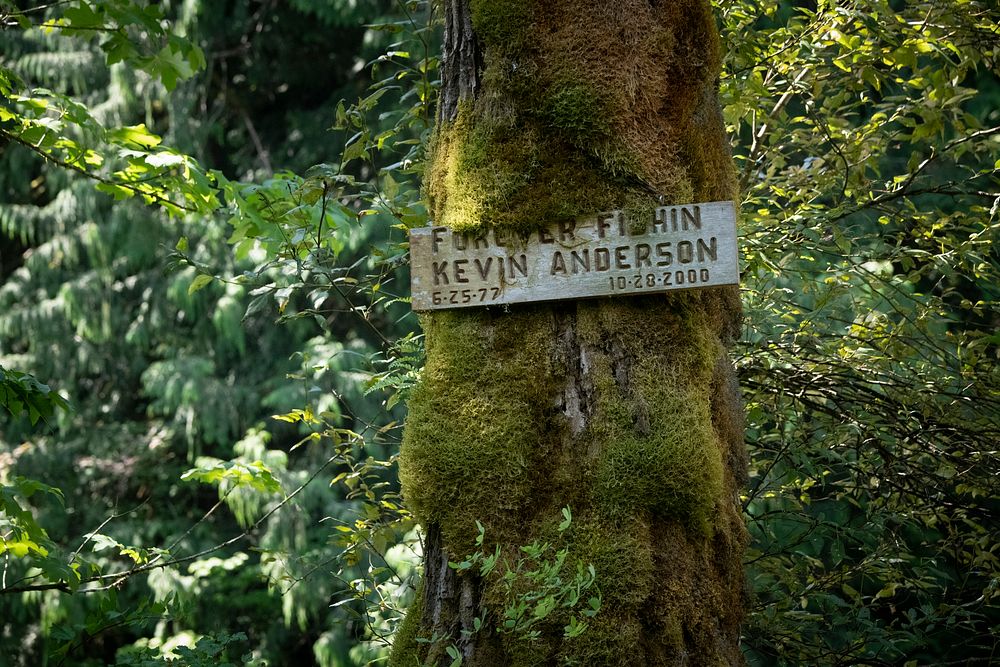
[118, 578]
[96, 177]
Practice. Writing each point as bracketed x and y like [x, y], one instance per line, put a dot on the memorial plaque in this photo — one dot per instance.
[681, 247]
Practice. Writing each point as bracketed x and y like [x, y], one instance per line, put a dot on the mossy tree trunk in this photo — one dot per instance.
[625, 410]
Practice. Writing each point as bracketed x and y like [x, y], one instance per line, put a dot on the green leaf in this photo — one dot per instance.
[843, 244]
[165, 159]
[82, 16]
[199, 282]
[567, 519]
[134, 135]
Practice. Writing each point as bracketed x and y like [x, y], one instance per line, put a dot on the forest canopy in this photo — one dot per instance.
[206, 344]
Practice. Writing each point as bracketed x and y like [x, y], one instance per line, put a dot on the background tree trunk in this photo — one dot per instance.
[625, 410]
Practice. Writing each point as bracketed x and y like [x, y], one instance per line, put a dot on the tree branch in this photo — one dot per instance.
[118, 578]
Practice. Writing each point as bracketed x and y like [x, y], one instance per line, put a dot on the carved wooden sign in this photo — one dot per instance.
[681, 247]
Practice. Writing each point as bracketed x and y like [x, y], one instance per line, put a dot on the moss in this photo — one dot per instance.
[659, 463]
[502, 24]
[405, 648]
[481, 426]
[622, 558]
[483, 432]
[577, 117]
[485, 441]
[659, 451]
[624, 565]
[577, 111]
[513, 177]
[611, 643]
[650, 610]
[639, 210]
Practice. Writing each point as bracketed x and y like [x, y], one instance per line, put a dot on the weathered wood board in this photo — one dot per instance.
[682, 247]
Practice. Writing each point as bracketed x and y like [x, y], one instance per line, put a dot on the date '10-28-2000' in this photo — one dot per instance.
[487, 295]
[667, 279]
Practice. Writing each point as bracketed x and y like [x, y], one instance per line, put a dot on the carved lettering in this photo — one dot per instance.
[558, 263]
[514, 266]
[437, 236]
[459, 265]
[620, 262]
[685, 252]
[566, 231]
[663, 252]
[642, 251]
[603, 224]
[440, 273]
[484, 269]
[660, 221]
[693, 218]
[710, 249]
[690, 246]
[602, 259]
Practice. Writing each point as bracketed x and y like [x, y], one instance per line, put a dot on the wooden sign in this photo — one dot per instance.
[681, 247]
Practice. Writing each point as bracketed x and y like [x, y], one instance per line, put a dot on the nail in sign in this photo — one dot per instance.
[681, 247]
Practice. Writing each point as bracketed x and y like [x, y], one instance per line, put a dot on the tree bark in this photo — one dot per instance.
[624, 410]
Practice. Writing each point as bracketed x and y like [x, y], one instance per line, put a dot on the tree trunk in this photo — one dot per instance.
[625, 410]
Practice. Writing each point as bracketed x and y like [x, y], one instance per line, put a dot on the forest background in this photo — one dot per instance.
[206, 346]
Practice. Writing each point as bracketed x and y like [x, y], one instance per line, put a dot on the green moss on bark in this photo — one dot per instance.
[658, 449]
[481, 428]
[483, 435]
[586, 107]
[503, 175]
[503, 24]
[486, 441]
[405, 648]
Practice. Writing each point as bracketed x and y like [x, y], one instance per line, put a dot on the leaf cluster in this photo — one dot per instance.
[866, 136]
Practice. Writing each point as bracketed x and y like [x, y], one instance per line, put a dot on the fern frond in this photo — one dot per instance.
[65, 71]
[33, 225]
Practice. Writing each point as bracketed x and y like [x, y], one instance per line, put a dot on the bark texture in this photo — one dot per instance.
[625, 410]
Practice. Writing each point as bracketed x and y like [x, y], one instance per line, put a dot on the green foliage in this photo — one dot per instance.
[402, 368]
[535, 586]
[865, 135]
[124, 161]
[20, 392]
[179, 368]
[532, 589]
[207, 652]
[128, 33]
[22, 537]
[233, 474]
[867, 140]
